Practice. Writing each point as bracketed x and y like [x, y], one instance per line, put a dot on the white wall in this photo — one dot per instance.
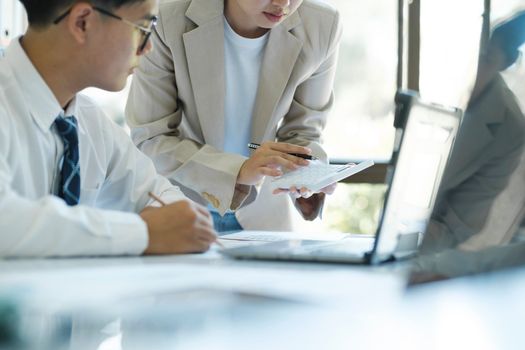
[12, 20]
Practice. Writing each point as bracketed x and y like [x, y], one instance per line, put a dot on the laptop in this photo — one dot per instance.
[425, 134]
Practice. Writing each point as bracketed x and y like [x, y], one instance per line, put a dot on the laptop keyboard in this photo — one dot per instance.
[347, 246]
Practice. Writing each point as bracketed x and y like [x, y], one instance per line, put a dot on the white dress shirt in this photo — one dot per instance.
[115, 176]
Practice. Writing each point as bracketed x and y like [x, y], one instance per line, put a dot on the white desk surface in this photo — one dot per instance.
[209, 302]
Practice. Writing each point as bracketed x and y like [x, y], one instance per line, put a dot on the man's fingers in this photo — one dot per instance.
[203, 211]
[207, 239]
[202, 245]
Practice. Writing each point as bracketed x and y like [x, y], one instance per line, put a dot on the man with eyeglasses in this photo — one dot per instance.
[71, 181]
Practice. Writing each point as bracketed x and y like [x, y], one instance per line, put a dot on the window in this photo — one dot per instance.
[449, 50]
[12, 21]
[504, 9]
[360, 125]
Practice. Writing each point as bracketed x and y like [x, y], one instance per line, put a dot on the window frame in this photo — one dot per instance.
[408, 71]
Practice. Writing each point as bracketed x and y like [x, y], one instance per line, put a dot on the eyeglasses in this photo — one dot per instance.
[145, 31]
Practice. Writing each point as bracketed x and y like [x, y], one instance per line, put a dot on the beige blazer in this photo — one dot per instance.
[176, 105]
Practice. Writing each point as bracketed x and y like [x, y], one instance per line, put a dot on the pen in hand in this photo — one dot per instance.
[156, 198]
[162, 203]
[300, 155]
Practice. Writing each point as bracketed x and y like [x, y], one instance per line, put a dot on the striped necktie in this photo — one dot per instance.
[70, 175]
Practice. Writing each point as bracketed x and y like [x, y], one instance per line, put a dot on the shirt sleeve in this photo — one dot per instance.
[106, 224]
[47, 227]
[57, 230]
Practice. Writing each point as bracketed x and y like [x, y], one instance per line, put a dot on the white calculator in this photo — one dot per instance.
[318, 175]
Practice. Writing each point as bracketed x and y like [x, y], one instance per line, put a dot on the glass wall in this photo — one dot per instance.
[450, 39]
[360, 126]
[361, 122]
[12, 21]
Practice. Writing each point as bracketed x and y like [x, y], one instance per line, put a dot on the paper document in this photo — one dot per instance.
[318, 175]
[274, 236]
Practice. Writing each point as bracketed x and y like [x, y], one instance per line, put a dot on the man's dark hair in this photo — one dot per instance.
[41, 13]
[509, 36]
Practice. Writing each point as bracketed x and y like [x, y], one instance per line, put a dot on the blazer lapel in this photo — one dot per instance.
[207, 75]
[282, 51]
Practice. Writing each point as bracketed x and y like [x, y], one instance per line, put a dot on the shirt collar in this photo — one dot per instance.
[42, 103]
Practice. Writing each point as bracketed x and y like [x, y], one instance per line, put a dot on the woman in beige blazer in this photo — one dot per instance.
[176, 107]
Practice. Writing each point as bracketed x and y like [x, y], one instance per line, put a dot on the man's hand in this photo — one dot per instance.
[268, 160]
[180, 227]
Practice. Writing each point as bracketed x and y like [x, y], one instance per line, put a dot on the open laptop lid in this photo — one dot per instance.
[425, 135]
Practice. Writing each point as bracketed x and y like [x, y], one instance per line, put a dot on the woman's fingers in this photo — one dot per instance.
[285, 147]
[330, 189]
[273, 172]
[270, 159]
[273, 158]
[304, 192]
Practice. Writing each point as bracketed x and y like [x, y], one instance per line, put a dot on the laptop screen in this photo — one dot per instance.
[426, 143]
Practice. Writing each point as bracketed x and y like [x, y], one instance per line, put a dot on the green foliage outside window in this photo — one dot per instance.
[355, 208]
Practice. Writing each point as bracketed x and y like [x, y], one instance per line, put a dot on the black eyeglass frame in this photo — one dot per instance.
[145, 31]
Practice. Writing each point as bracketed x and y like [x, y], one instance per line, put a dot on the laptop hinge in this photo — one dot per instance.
[407, 243]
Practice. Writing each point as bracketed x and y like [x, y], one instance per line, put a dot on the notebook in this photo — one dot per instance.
[425, 135]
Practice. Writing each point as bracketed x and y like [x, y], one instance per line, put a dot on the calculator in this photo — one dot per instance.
[318, 175]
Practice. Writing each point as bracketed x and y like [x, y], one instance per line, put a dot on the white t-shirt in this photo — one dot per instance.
[243, 60]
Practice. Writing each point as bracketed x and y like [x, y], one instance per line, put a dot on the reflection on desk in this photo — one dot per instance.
[208, 302]
[74, 303]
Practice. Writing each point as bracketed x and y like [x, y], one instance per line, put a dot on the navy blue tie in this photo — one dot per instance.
[70, 175]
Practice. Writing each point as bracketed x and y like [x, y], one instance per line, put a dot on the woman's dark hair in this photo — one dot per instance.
[41, 13]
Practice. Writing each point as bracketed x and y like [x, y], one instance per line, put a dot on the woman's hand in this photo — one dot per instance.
[308, 202]
[304, 192]
[269, 159]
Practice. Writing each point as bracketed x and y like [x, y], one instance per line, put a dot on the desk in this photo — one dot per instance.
[209, 302]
